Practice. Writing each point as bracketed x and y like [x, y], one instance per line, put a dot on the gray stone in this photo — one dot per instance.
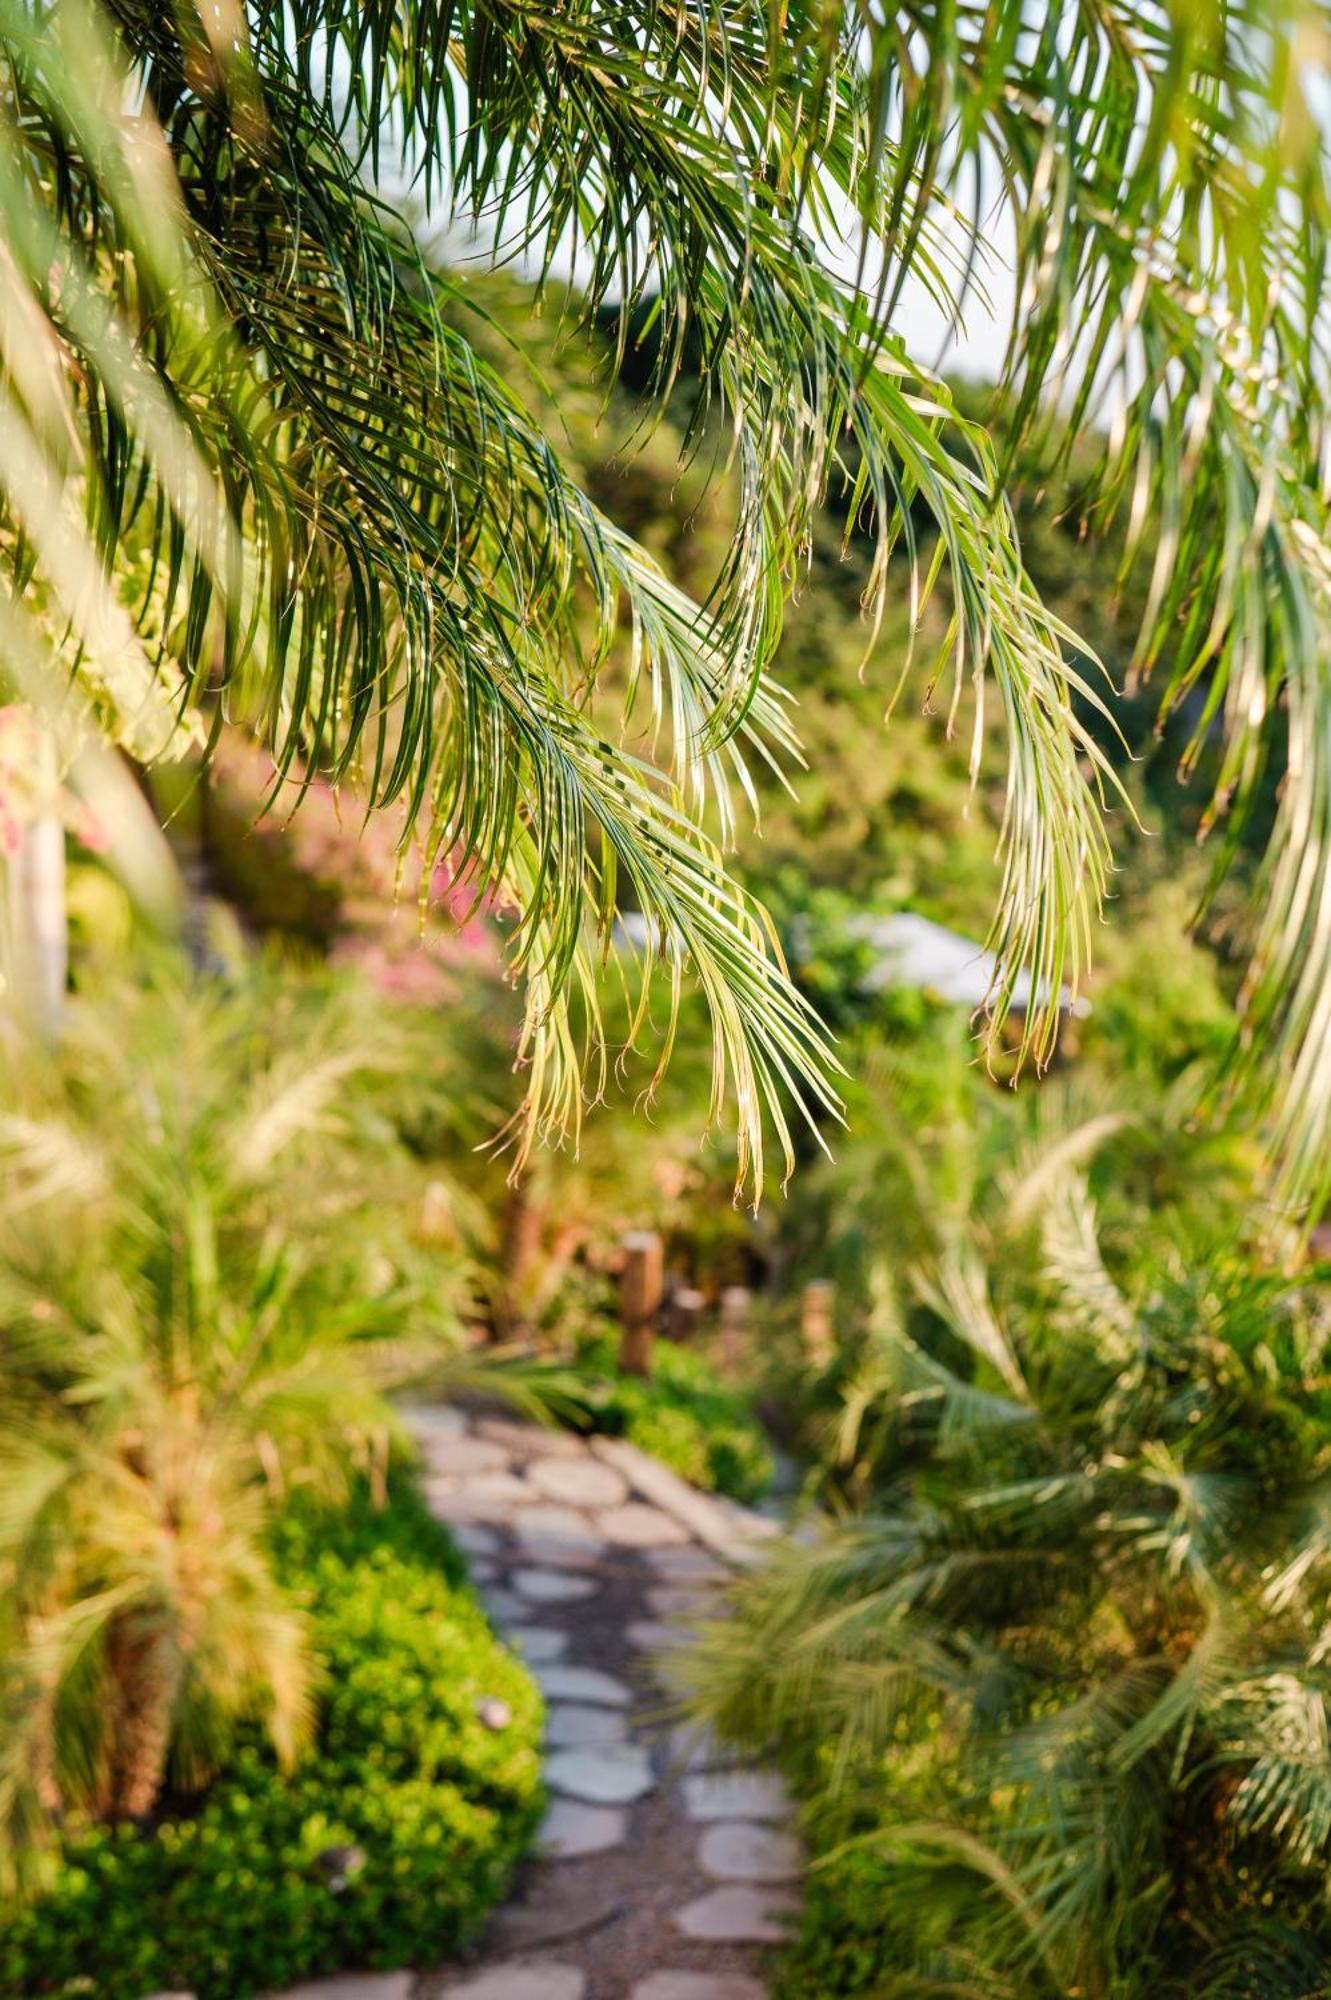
[688, 1564]
[724, 1526]
[552, 1586]
[578, 1482]
[537, 1643]
[737, 1850]
[499, 1493]
[695, 1749]
[572, 1828]
[460, 1457]
[491, 1496]
[613, 1775]
[679, 1600]
[503, 1606]
[433, 1420]
[481, 1569]
[534, 1979]
[736, 1795]
[546, 1554]
[477, 1541]
[561, 1527]
[635, 1526]
[353, 1986]
[529, 1440]
[650, 1635]
[562, 1683]
[452, 1505]
[697, 1986]
[739, 1914]
[553, 1910]
[570, 1724]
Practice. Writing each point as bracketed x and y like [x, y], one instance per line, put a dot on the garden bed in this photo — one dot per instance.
[390, 1842]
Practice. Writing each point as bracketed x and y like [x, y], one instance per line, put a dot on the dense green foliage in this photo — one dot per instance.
[216, 1256]
[229, 1896]
[682, 1413]
[1055, 1690]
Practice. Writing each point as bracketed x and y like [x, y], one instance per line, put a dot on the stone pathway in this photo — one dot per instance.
[663, 1872]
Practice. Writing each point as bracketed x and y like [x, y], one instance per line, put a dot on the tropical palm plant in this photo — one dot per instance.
[253, 463]
[1058, 1695]
[215, 1259]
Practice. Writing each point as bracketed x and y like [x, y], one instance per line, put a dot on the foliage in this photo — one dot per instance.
[1057, 1695]
[240, 1894]
[256, 453]
[215, 1257]
[682, 1413]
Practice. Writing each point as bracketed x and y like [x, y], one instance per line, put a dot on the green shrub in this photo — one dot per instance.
[682, 1413]
[232, 1898]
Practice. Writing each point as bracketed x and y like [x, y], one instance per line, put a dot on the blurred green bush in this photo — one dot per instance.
[389, 1842]
[682, 1413]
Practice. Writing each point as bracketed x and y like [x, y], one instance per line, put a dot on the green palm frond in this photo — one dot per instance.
[255, 465]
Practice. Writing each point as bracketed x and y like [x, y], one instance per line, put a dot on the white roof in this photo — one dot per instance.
[914, 951]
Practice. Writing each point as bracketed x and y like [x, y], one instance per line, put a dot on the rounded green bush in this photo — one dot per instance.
[239, 1894]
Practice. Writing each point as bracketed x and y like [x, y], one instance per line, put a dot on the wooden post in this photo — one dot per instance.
[683, 1312]
[639, 1298]
[734, 1324]
[817, 1321]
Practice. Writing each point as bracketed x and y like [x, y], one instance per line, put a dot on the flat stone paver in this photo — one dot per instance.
[697, 1986]
[608, 1902]
[433, 1420]
[688, 1563]
[692, 1748]
[653, 1635]
[498, 1493]
[740, 1850]
[563, 1683]
[534, 1979]
[554, 1910]
[715, 1795]
[572, 1828]
[548, 1521]
[679, 1600]
[578, 1482]
[635, 1525]
[552, 1586]
[458, 1456]
[504, 1606]
[612, 1775]
[575, 1724]
[474, 1540]
[739, 1914]
[539, 1645]
[529, 1440]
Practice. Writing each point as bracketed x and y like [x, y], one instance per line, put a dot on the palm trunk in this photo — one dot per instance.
[147, 1672]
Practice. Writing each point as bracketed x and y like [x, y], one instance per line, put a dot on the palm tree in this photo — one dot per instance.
[1058, 1695]
[214, 1262]
[253, 463]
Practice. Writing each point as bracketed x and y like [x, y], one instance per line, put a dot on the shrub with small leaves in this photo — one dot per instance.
[234, 1895]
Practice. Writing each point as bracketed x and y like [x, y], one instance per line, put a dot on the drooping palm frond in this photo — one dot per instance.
[252, 457]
